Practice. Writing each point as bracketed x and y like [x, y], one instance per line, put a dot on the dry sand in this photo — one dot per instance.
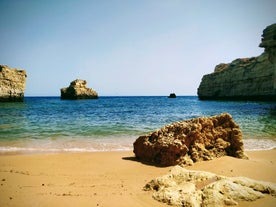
[108, 178]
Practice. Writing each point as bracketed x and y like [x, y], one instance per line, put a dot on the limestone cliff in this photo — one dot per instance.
[269, 43]
[246, 78]
[12, 84]
[78, 90]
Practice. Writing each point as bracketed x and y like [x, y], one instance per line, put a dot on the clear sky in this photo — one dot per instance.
[128, 47]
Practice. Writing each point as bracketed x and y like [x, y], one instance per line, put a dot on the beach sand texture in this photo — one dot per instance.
[108, 178]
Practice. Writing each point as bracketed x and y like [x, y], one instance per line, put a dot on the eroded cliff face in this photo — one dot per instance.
[269, 43]
[12, 84]
[246, 78]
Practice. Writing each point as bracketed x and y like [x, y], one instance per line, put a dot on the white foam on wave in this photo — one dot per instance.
[57, 150]
[259, 144]
[250, 144]
[66, 144]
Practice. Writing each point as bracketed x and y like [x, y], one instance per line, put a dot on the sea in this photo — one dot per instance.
[52, 125]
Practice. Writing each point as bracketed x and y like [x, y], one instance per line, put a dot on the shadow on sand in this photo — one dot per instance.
[135, 159]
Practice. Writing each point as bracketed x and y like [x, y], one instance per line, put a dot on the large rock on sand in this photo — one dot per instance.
[78, 90]
[189, 141]
[186, 188]
[12, 84]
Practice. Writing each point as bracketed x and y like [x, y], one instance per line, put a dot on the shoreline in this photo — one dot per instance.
[91, 146]
[108, 178]
[20, 151]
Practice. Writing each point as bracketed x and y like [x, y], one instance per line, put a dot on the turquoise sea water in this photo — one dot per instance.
[48, 124]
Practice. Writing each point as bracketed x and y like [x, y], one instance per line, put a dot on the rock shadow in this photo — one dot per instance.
[135, 159]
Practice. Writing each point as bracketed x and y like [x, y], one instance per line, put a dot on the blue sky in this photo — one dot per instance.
[128, 47]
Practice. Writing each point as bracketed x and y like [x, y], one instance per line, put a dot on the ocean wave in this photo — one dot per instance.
[259, 144]
[59, 150]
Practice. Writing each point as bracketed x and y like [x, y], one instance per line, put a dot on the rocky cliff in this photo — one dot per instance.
[246, 78]
[12, 84]
[269, 43]
[78, 90]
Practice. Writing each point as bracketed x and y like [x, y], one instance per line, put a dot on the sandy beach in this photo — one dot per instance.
[108, 178]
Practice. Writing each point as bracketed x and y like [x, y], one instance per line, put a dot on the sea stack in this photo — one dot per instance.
[78, 90]
[244, 78]
[12, 84]
[172, 95]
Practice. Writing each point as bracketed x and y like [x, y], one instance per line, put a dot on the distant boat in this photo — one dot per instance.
[172, 95]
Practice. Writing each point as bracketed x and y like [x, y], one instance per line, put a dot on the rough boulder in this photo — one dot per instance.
[78, 90]
[186, 188]
[12, 84]
[189, 141]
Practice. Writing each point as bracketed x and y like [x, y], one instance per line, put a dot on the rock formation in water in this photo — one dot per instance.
[78, 90]
[172, 95]
[186, 188]
[189, 141]
[12, 84]
[246, 78]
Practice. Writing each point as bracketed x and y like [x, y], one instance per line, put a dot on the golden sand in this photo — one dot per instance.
[108, 178]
